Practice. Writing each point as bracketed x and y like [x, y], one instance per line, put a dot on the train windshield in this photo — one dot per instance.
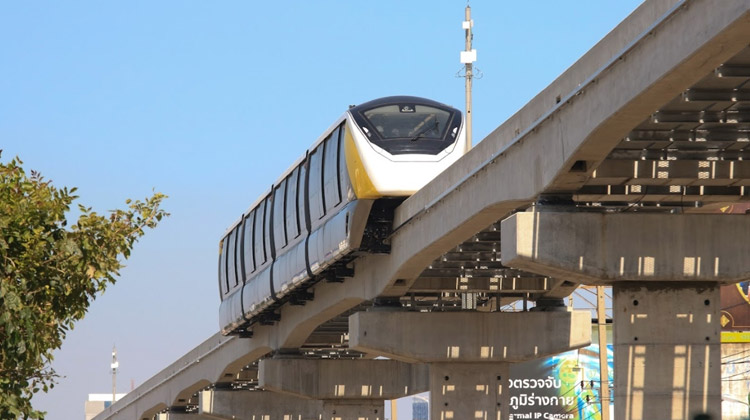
[408, 121]
[407, 124]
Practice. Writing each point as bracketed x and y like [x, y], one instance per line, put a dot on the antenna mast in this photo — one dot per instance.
[115, 365]
[468, 57]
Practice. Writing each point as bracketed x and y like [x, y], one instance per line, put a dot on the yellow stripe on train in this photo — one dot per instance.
[361, 183]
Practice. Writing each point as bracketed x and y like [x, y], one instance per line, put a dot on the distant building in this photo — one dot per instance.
[420, 409]
[96, 403]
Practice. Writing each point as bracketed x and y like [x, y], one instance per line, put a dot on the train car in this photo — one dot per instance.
[331, 205]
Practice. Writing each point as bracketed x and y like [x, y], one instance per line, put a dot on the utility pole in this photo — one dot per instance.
[603, 365]
[115, 364]
[468, 57]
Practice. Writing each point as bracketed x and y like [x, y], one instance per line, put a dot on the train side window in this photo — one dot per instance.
[237, 255]
[331, 171]
[292, 229]
[223, 283]
[317, 211]
[302, 198]
[267, 229]
[248, 243]
[279, 225]
[260, 253]
[231, 266]
[344, 184]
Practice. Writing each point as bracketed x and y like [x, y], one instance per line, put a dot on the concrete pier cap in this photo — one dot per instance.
[468, 337]
[236, 405]
[603, 248]
[343, 379]
[347, 388]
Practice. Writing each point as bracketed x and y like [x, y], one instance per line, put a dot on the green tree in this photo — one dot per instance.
[51, 272]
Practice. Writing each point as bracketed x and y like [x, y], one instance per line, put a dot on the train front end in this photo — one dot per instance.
[401, 143]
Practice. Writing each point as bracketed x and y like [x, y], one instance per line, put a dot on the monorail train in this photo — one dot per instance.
[332, 204]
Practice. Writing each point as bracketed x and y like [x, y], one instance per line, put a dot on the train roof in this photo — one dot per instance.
[388, 100]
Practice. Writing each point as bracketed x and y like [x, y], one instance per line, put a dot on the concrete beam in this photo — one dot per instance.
[484, 284]
[252, 405]
[343, 379]
[218, 359]
[594, 248]
[468, 336]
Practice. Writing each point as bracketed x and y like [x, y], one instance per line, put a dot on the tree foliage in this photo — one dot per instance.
[50, 274]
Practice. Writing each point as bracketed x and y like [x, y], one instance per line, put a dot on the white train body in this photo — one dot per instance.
[319, 212]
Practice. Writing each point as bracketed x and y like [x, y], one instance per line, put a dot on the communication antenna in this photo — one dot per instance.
[468, 57]
[115, 365]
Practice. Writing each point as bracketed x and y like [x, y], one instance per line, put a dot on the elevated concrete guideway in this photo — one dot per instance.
[665, 88]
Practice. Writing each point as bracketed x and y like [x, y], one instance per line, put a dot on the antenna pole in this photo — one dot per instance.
[468, 57]
[114, 367]
[468, 78]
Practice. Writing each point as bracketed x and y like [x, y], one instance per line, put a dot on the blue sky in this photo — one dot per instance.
[209, 102]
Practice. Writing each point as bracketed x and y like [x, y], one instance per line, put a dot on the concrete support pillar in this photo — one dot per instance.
[469, 391]
[666, 271]
[349, 389]
[256, 405]
[353, 410]
[667, 340]
[468, 352]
